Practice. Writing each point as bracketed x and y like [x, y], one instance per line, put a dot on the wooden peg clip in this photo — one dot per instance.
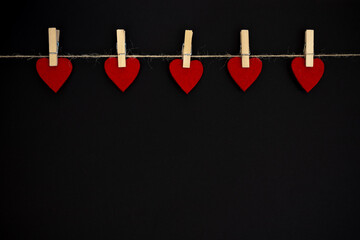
[54, 36]
[244, 48]
[186, 50]
[121, 47]
[309, 48]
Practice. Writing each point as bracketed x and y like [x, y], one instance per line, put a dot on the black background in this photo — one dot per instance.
[91, 162]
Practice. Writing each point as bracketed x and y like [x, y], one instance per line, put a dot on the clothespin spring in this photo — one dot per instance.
[186, 54]
[57, 48]
[124, 53]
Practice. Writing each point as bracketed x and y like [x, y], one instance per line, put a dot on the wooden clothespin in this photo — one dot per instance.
[309, 48]
[186, 49]
[54, 36]
[121, 47]
[244, 48]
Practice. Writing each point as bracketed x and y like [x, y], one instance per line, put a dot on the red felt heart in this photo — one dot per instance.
[124, 76]
[308, 77]
[187, 78]
[55, 76]
[244, 77]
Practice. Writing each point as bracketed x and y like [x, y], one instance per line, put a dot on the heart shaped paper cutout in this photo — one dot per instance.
[308, 77]
[186, 78]
[122, 77]
[54, 76]
[244, 77]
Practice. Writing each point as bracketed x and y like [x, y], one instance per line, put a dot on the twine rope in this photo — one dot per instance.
[179, 56]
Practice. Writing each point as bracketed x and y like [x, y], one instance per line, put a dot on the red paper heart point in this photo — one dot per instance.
[55, 76]
[244, 77]
[308, 77]
[122, 77]
[186, 78]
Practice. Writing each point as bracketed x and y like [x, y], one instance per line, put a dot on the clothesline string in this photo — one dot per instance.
[179, 56]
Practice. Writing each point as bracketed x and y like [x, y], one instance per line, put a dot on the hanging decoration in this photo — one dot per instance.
[123, 69]
[54, 71]
[55, 76]
[186, 78]
[308, 71]
[120, 70]
[244, 70]
[186, 73]
[123, 77]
